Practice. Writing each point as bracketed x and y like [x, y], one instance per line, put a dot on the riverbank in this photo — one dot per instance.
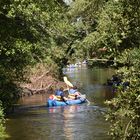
[37, 91]
[41, 85]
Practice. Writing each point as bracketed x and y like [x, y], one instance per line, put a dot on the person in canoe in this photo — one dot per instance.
[60, 95]
[73, 93]
[74, 96]
[72, 90]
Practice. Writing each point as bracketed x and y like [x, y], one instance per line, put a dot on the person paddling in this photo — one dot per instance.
[72, 88]
[60, 96]
[73, 92]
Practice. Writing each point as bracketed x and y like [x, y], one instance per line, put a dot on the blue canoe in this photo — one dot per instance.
[51, 102]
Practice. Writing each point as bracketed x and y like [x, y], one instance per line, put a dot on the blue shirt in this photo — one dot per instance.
[59, 93]
[72, 91]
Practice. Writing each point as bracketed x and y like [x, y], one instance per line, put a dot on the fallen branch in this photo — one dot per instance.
[40, 77]
[34, 91]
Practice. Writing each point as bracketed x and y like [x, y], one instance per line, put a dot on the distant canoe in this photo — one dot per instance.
[72, 66]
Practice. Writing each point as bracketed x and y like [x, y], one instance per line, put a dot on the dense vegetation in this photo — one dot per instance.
[114, 25]
[31, 32]
[54, 33]
[2, 128]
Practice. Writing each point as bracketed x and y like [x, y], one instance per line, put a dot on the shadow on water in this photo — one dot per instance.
[78, 122]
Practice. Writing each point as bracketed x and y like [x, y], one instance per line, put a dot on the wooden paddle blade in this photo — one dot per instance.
[67, 82]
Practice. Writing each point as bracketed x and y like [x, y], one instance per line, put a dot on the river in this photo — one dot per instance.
[34, 121]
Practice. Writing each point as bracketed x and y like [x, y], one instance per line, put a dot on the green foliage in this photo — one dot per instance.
[83, 16]
[2, 128]
[123, 40]
[125, 108]
[87, 9]
[30, 32]
[114, 26]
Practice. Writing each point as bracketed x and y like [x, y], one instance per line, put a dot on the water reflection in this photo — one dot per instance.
[76, 120]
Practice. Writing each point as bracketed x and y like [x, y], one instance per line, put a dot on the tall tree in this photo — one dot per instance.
[30, 32]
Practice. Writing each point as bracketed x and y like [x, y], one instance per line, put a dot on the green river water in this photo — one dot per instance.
[34, 121]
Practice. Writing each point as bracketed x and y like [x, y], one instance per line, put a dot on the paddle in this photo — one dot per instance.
[68, 83]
